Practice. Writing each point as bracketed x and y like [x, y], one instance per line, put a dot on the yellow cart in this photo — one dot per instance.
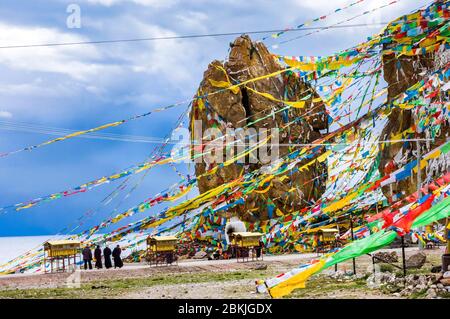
[59, 252]
[161, 250]
[328, 238]
[247, 245]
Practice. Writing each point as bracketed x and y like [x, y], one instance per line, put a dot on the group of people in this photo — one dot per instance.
[87, 257]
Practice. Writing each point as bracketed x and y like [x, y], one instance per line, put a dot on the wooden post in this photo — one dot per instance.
[419, 184]
[353, 238]
[404, 257]
[373, 265]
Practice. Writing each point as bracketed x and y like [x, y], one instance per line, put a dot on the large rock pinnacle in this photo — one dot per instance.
[246, 109]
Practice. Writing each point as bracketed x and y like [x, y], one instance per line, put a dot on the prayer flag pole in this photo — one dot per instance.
[353, 238]
[419, 183]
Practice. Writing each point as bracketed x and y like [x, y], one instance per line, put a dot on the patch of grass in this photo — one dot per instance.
[445, 295]
[117, 287]
[174, 279]
[320, 286]
[84, 291]
[422, 271]
[389, 289]
[387, 268]
[418, 295]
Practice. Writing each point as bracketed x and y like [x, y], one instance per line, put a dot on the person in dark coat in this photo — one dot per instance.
[107, 255]
[116, 256]
[87, 257]
[98, 257]
[259, 249]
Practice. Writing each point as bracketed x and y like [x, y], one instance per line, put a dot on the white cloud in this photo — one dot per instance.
[77, 61]
[101, 70]
[373, 21]
[36, 88]
[323, 5]
[193, 20]
[326, 6]
[147, 3]
[5, 114]
[172, 61]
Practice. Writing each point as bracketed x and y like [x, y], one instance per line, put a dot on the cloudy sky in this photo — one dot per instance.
[83, 86]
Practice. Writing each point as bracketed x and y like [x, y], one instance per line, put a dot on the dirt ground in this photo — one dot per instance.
[224, 279]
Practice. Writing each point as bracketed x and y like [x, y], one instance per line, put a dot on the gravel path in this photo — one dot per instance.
[235, 289]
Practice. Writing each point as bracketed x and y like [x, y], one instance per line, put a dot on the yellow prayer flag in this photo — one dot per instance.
[296, 281]
[324, 156]
[225, 85]
[296, 104]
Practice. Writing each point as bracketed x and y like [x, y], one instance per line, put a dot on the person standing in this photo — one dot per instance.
[87, 257]
[259, 249]
[98, 257]
[116, 256]
[107, 255]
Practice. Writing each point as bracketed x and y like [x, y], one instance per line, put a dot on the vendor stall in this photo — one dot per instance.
[161, 250]
[59, 254]
[247, 245]
[327, 239]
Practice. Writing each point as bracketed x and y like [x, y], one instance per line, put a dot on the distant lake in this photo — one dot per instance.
[11, 247]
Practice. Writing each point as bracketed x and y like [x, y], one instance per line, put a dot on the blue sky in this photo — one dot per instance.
[79, 87]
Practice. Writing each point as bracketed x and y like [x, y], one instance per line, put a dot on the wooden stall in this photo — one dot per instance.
[161, 250]
[328, 238]
[247, 245]
[60, 253]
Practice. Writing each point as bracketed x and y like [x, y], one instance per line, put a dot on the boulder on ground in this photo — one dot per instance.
[445, 281]
[200, 255]
[260, 267]
[416, 261]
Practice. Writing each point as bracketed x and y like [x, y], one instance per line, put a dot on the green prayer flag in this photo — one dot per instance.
[362, 247]
[446, 148]
[435, 213]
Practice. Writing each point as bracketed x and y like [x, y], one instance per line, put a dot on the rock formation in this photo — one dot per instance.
[400, 73]
[416, 261]
[244, 108]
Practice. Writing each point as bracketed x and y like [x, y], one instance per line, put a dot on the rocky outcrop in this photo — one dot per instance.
[400, 74]
[244, 108]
